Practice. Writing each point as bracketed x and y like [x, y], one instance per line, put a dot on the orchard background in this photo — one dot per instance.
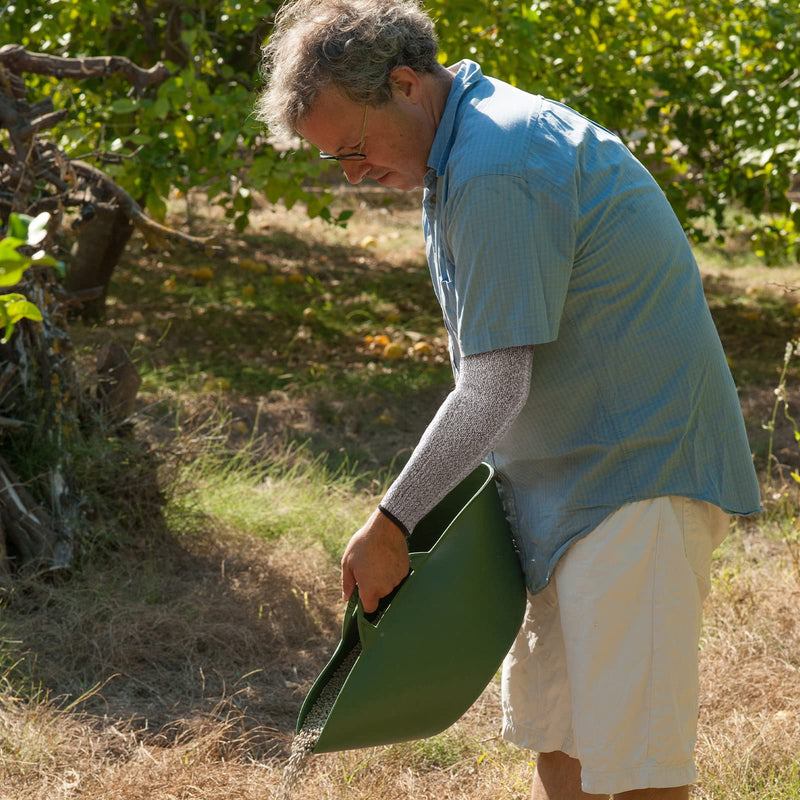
[202, 434]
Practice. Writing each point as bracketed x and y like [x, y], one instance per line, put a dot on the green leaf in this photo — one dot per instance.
[226, 140]
[42, 259]
[189, 37]
[13, 308]
[161, 107]
[10, 257]
[275, 189]
[18, 306]
[37, 229]
[123, 106]
[156, 206]
[18, 225]
[11, 278]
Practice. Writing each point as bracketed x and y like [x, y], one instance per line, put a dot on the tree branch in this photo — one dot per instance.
[151, 228]
[18, 59]
[46, 121]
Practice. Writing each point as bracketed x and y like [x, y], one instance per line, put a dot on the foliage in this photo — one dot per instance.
[195, 129]
[24, 232]
[705, 93]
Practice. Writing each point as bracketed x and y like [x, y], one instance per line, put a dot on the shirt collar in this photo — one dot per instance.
[468, 74]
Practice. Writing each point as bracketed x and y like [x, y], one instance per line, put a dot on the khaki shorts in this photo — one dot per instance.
[604, 668]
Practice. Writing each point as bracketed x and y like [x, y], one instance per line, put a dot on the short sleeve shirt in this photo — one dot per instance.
[543, 229]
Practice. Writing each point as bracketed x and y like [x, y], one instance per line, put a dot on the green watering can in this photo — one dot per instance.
[439, 638]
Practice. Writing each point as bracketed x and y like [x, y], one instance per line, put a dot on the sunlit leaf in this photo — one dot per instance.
[37, 229]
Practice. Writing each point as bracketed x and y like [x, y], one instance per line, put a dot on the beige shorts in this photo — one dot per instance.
[605, 665]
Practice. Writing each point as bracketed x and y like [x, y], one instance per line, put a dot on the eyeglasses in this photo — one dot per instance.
[358, 155]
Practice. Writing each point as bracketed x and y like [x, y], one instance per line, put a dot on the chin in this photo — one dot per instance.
[403, 183]
[400, 181]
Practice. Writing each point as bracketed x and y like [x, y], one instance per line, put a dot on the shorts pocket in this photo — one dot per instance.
[704, 527]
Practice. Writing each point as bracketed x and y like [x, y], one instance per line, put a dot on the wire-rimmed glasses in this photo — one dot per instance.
[357, 155]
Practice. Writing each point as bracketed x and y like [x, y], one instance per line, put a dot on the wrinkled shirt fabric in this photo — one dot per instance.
[543, 229]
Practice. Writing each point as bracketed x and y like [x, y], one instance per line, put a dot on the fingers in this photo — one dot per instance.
[369, 601]
[369, 597]
[375, 560]
[348, 582]
[369, 591]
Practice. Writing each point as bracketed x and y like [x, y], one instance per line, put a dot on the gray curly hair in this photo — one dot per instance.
[351, 44]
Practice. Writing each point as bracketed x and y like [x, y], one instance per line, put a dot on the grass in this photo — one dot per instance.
[173, 660]
[291, 494]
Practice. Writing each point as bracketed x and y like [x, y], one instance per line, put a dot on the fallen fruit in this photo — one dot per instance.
[393, 351]
[205, 274]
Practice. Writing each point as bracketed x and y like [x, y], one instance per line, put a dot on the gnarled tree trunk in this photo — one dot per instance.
[97, 250]
[39, 395]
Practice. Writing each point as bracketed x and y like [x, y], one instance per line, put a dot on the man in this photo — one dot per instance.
[619, 446]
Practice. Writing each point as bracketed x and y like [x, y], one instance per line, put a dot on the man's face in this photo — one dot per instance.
[396, 140]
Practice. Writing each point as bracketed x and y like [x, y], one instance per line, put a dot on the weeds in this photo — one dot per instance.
[785, 498]
[781, 403]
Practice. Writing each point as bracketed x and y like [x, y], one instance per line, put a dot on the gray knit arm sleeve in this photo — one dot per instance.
[490, 391]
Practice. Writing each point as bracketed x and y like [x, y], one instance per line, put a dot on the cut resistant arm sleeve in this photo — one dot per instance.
[490, 391]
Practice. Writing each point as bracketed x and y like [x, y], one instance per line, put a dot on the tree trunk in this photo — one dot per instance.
[99, 246]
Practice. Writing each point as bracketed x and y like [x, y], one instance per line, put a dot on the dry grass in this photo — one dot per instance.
[199, 645]
[750, 672]
[172, 664]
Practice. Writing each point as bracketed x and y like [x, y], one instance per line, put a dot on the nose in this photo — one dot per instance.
[354, 171]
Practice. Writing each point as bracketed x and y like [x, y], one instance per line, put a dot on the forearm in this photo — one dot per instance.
[490, 392]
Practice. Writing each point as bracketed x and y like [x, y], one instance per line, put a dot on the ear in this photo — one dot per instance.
[406, 83]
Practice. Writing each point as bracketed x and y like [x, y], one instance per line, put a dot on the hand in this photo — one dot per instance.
[375, 560]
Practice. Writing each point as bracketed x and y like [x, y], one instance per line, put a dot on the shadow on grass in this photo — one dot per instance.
[174, 626]
[280, 333]
[754, 329]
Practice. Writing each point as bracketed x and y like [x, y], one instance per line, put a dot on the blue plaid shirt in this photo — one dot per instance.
[542, 228]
